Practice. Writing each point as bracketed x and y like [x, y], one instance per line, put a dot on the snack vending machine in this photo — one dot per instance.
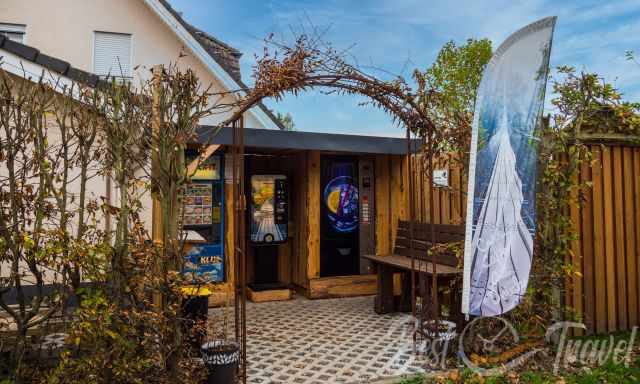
[203, 221]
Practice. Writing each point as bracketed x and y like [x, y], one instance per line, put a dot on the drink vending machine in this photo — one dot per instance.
[203, 221]
[269, 221]
[269, 212]
[339, 218]
[347, 215]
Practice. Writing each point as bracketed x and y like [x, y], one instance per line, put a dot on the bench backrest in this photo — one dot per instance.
[444, 233]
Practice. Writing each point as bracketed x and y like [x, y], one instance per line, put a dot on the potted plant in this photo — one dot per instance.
[220, 354]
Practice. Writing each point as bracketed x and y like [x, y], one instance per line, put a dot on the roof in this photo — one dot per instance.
[47, 62]
[225, 55]
[296, 140]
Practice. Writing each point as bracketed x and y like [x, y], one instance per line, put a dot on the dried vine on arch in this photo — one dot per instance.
[312, 64]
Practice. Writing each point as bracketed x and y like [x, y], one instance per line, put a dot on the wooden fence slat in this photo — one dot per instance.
[630, 236]
[437, 194]
[382, 206]
[420, 188]
[576, 257]
[569, 257]
[445, 198]
[636, 179]
[427, 197]
[599, 254]
[586, 238]
[609, 238]
[620, 256]
[463, 195]
[456, 214]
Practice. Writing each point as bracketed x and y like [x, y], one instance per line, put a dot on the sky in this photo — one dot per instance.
[394, 37]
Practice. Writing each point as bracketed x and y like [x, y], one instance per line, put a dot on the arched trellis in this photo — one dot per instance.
[309, 64]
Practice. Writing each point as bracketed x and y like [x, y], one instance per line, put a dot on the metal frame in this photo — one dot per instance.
[239, 244]
[427, 312]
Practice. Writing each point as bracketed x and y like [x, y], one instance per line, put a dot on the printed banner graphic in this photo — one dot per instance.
[502, 172]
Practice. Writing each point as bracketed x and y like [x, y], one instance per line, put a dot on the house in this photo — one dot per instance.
[114, 37]
[85, 41]
[75, 40]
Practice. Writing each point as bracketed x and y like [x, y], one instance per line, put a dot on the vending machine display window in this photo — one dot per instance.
[269, 216]
[340, 216]
[341, 199]
[198, 204]
[203, 221]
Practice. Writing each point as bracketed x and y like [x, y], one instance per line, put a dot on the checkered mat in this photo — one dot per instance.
[327, 341]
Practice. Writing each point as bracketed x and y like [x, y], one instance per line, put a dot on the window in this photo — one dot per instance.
[14, 32]
[112, 55]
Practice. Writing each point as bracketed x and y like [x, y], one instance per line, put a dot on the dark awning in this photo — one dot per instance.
[332, 142]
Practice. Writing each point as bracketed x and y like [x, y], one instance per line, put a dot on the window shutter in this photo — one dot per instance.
[14, 32]
[112, 55]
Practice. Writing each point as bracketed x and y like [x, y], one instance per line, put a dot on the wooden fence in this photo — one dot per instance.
[607, 253]
[606, 257]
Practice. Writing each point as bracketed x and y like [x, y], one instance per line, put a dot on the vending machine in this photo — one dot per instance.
[269, 222]
[339, 216]
[269, 216]
[203, 221]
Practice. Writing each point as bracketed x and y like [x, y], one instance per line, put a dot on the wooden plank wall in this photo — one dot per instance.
[607, 254]
[391, 199]
[450, 204]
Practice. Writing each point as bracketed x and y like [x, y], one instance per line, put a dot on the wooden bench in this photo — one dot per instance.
[400, 262]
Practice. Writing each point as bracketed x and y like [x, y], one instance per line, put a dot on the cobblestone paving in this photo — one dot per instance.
[326, 341]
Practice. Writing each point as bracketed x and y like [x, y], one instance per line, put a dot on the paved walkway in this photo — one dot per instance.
[326, 341]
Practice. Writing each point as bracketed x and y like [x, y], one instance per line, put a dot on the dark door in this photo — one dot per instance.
[339, 216]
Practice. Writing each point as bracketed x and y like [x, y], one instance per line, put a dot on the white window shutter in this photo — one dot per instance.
[112, 55]
[13, 32]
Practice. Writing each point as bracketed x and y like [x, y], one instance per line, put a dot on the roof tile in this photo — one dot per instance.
[56, 65]
[82, 77]
[21, 50]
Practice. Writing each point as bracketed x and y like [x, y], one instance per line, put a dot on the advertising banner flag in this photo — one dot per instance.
[501, 218]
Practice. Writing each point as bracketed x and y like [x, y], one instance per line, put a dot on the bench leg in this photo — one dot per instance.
[384, 298]
[456, 305]
[404, 304]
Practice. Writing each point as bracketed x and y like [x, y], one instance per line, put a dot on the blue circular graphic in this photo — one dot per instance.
[341, 199]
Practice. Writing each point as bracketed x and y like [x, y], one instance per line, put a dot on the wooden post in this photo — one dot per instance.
[313, 215]
[384, 298]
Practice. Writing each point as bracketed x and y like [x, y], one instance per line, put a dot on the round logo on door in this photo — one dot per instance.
[341, 199]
